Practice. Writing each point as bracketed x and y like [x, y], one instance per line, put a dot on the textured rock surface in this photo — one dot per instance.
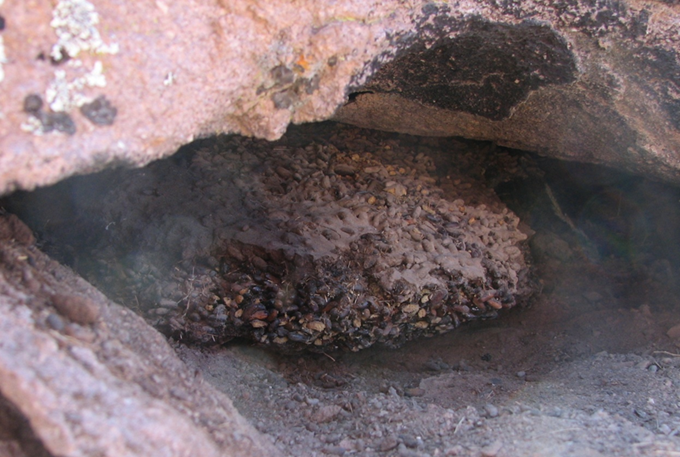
[129, 82]
[588, 81]
[88, 377]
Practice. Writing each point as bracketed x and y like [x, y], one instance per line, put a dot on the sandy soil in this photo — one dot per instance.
[586, 368]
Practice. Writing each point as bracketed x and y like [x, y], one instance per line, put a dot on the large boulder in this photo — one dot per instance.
[87, 85]
[82, 376]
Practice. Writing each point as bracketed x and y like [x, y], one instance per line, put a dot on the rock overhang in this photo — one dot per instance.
[586, 81]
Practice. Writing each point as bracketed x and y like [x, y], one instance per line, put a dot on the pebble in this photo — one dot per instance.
[78, 309]
[492, 449]
[344, 170]
[411, 441]
[326, 414]
[491, 410]
[388, 443]
[674, 332]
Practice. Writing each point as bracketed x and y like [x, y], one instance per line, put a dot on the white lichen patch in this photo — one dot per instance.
[63, 95]
[74, 22]
[33, 125]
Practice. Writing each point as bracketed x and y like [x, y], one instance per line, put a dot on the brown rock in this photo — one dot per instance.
[674, 332]
[79, 309]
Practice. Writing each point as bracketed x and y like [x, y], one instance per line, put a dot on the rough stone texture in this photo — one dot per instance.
[598, 84]
[110, 388]
[128, 82]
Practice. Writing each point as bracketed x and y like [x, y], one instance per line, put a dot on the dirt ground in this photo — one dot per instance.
[587, 367]
[568, 376]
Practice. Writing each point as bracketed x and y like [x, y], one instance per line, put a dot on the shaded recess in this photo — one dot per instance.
[487, 69]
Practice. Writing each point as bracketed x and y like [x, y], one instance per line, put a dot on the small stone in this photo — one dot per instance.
[326, 414]
[674, 332]
[259, 262]
[492, 449]
[284, 172]
[491, 410]
[317, 326]
[410, 309]
[256, 323]
[410, 441]
[388, 443]
[346, 444]
[78, 309]
[344, 170]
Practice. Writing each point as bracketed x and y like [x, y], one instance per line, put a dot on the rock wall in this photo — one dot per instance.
[93, 84]
[82, 376]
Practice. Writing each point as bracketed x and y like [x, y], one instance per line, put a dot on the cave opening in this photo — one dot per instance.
[390, 287]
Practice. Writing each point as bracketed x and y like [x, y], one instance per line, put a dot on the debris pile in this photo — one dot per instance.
[331, 242]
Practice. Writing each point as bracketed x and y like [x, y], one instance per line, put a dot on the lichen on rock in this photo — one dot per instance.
[74, 22]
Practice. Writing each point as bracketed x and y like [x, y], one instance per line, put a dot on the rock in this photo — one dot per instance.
[491, 410]
[674, 332]
[388, 443]
[492, 449]
[77, 308]
[407, 94]
[49, 381]
[326, 413]
[85, 90]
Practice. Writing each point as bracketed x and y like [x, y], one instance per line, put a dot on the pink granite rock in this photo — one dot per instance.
[129, 82]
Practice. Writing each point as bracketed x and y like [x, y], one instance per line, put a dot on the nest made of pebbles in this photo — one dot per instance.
[336, 241]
